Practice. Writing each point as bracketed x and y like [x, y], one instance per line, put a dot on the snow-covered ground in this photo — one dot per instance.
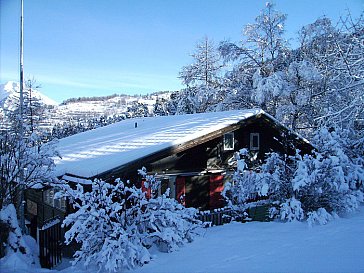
[271, 247]
[258, 247]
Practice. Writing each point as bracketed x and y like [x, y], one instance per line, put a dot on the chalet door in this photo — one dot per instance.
[216, 187]
[146, 188]
[197, 192]
[181, 190]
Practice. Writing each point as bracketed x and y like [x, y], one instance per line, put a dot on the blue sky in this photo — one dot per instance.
[79, 48]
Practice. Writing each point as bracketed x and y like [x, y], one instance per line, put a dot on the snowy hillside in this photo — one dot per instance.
[81, 109]
[93, 108]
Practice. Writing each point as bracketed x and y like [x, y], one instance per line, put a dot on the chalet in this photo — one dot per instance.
[191, 155]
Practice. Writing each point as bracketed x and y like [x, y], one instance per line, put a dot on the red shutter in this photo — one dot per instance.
[216, 187]
[146, 189]
[180, 190]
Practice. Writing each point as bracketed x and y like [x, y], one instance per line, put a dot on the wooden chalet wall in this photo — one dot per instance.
[38, 212]
[197, 170]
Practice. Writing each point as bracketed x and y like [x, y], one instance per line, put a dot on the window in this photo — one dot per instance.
[32, 207]
[49, 199]
[229, 141]
[254, 141]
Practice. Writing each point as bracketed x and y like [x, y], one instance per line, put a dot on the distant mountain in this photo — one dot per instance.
[10, 92]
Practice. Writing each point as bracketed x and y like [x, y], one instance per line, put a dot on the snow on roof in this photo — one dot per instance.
[77, 180]
[93, 152]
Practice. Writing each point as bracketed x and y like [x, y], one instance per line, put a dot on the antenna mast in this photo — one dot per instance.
[21, 99]
[21, 124]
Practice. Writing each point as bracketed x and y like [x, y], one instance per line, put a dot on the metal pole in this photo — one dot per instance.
[21, 124]
[21, 99]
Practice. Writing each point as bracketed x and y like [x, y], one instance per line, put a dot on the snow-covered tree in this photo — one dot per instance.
[34, 109]
[262, 52]
[187, 101]
[160, 107]
[202, 79]
[298, 100]
[337, 53]
[23, 163]
[206, 67]
[263, 43]
[294, 89]
[303, 186]
[138, 109]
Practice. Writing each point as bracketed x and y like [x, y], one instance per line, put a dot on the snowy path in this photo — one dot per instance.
[271, 247]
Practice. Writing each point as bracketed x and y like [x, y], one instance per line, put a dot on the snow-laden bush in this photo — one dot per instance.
[277, 171]
[320, 217]
[104, 228]
[164, 222]
[291, 210]
[271, 181]
[116, 224]
[167, 224]
[15, 243]
[241, 189]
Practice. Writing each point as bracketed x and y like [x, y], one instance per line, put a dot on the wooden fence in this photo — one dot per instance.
[221, 216]
[50, 243]
[216, 217]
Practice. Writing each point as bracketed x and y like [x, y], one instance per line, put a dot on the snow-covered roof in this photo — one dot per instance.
[93, 152]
